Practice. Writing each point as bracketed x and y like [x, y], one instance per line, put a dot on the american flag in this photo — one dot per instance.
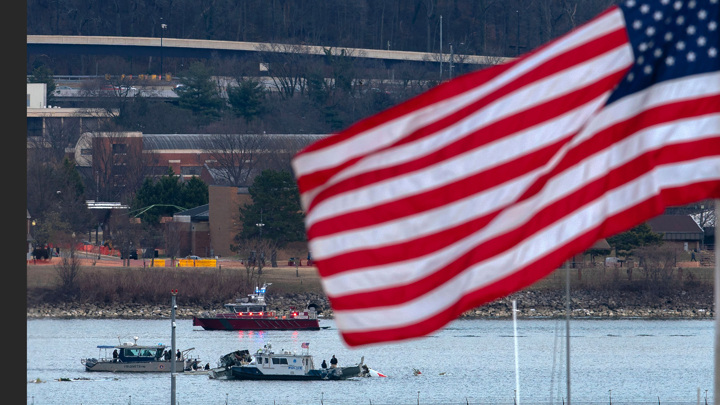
[487, 183]
[305, 345]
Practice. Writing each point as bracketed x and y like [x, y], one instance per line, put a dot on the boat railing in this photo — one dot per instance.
[269, 314]
[263, 314]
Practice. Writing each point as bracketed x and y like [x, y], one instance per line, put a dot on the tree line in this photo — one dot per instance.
[480, 27]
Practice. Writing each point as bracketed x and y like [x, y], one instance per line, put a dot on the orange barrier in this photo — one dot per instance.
[197, 263]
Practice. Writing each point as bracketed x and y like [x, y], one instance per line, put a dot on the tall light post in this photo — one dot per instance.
[260, 224]
[163, 27]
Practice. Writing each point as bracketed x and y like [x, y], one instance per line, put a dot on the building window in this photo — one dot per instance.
[190, 170]
[158, 170]
[119, 148]
[34, 127]
[86, 152]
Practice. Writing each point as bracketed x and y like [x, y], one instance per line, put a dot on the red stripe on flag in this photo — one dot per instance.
[460, 85]
[487, 183]
[528, 275]
[482, 136]
[500, 243]
[651, 117]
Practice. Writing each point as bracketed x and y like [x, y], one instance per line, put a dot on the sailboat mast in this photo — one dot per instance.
[567, 332]
[517, 365]
[716, 382]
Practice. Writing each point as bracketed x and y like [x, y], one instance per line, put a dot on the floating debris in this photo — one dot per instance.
[74, 379]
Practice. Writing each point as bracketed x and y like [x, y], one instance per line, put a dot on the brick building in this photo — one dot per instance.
[679, 231]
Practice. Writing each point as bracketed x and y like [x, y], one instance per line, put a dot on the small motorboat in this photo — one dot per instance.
[135, 358]
[266, 364]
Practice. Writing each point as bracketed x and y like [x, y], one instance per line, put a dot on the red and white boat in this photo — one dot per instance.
[252, 314]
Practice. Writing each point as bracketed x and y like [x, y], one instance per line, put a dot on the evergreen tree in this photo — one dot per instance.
[276, 204]
[193, 193]
[247, 99]
[624, 243]
[200, 93]
[43, 74]
[166, 196]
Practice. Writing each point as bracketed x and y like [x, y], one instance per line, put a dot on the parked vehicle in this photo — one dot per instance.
[131, 255]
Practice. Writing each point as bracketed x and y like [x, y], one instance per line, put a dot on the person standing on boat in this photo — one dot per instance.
[333, 362]
[178, 355]
[323, 365]
[115, 356]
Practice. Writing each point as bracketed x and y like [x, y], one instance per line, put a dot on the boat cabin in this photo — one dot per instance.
[246, 308]
[128, 352]
[254, 304]
[283, 362]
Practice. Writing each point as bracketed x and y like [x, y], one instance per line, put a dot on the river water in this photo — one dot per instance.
[468, 362]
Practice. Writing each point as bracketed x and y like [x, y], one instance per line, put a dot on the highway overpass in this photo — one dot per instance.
[200, 48]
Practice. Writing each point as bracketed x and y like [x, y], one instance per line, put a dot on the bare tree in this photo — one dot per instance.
[119, 165]
[173, 240]
[286, 67]
[703, 212]
[125, 235]
[254, 253]
[706, 215]
[658, 264]
[234, 156]
[280, 150]
[69, 269]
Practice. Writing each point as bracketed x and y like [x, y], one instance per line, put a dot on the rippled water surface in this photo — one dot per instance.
[470, 361]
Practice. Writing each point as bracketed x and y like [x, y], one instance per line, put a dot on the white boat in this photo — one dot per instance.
[267, 364]
[135, 358]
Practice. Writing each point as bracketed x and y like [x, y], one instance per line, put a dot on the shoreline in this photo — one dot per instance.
[531, 305]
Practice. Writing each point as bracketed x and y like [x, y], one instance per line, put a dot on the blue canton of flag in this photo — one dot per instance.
[670, 39]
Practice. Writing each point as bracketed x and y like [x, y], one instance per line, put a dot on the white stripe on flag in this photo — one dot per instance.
[531, 249]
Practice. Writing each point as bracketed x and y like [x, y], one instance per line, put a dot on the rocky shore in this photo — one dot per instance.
[692, 304]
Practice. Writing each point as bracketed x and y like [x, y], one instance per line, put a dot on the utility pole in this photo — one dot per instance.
[441, 54]
[452, 60]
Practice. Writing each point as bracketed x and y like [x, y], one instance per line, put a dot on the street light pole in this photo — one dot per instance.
[163, 27]
[260, 224]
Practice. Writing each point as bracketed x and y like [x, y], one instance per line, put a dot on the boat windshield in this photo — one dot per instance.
[141, 352]
[247, 308]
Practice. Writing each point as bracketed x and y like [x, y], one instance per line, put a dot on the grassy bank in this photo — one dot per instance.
[197, 286]
[213, 286]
